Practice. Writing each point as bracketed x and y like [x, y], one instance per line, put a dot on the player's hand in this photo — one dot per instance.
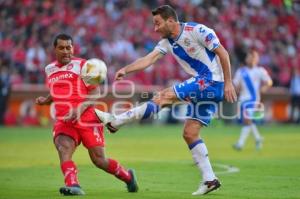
[120, 74]
[41, 100]
[229, 92]
[73, 116]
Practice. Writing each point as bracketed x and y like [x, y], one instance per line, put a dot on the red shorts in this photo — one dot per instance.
[87, 130]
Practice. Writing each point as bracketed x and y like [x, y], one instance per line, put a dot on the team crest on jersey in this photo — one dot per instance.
[186, 42]
[70, 66]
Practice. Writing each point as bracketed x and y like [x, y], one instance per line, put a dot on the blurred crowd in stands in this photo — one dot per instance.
[119, 31]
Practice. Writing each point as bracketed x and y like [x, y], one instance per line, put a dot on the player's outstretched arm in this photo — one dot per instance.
[229, 91]
[43, 100]
[139, 64]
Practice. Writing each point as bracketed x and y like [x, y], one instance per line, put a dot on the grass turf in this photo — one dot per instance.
[29, 164]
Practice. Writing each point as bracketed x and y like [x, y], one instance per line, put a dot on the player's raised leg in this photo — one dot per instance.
[200, 155]
[144, 111]
[114, 122]
[66, 146]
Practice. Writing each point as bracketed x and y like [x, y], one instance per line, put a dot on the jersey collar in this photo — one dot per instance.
[181, 30]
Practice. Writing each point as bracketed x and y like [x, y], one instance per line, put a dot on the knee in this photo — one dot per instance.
[65, 147]
[190, 136]
[247, 121]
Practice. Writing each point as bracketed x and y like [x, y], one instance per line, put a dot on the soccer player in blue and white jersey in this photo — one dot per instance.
[250, 80]
[198, 50]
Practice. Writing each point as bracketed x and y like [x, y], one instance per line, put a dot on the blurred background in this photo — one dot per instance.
[119, 31]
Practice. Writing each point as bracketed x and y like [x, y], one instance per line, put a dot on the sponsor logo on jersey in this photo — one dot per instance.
[61, 77]
[188, 28]
[191, 50]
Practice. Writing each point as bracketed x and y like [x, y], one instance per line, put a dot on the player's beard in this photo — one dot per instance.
[166, 33]
[66, 60]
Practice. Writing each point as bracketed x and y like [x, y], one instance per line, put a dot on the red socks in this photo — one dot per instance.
[117, 170]
[70, 172]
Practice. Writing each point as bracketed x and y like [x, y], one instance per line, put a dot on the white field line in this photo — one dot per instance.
[227, 169]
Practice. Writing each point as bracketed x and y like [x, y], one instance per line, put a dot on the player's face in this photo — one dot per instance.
[162, 26]
[64, 51]
[252, 59]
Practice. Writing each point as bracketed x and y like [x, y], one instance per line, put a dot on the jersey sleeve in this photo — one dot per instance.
[162, 46]
[264, 75]
[207, 37]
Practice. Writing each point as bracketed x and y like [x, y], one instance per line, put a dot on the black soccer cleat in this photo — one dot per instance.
[132, 186]
[74, 190]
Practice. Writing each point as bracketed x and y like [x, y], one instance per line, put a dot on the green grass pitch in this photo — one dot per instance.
[29, 164]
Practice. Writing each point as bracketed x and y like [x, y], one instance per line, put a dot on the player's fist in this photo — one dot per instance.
[120, 74]
[229, 92]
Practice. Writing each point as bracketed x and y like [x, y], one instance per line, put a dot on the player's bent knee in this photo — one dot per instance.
[189, 136]
[64, 149]
[65, 145]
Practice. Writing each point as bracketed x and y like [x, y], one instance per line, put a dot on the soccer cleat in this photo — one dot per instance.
[259, 144]
[237, 147]
[132, 186]
[106, 119]
[71, 191]
[207, 187]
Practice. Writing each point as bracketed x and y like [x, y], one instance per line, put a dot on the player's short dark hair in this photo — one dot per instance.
[165, 11]
[62, 36]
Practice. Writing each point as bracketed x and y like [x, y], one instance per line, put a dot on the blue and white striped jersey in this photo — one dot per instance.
[193, 49]
[250, 81]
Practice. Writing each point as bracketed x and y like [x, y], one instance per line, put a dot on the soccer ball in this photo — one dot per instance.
[94, 71]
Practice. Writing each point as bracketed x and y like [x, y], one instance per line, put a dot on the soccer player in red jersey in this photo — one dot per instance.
[75, 119]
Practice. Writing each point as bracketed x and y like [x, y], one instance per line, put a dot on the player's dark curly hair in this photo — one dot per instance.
[62, 36]
[165, 11]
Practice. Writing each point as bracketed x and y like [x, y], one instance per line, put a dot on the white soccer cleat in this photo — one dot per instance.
[106, 119]
[207, 187]
[259, 144]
